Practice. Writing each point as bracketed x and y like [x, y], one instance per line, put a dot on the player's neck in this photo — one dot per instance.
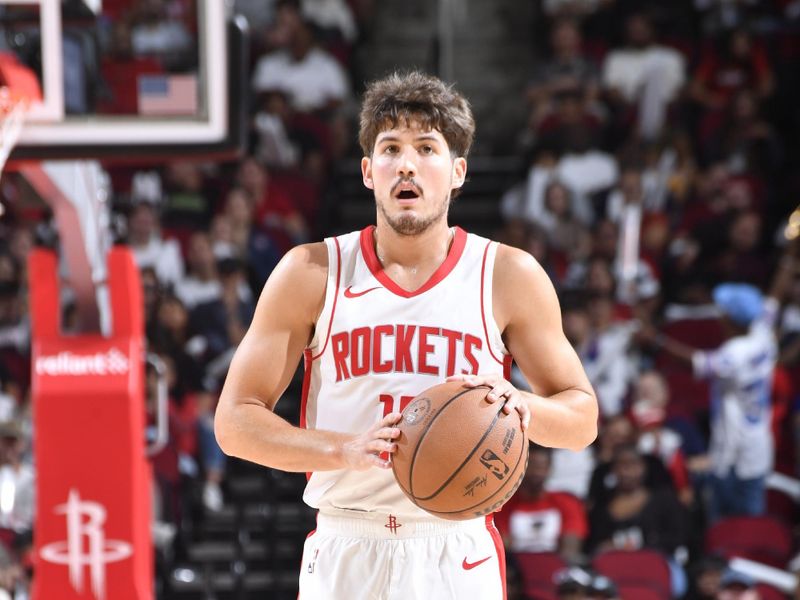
[413, 253]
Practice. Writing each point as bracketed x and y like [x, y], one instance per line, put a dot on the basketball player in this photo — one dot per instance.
[379, 316]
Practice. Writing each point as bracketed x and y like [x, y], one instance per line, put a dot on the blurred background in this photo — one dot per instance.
[645, 152]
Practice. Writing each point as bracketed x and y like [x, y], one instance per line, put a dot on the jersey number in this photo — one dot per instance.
[390, 404]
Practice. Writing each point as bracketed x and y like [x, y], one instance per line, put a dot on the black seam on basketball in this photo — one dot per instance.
[523, 448]
[424, 433]
[469, 456]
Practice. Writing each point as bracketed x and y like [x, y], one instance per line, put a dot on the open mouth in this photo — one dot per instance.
[407, 195]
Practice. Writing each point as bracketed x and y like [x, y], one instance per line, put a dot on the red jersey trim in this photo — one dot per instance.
[307, 360]
[376, 268]
[508, 360]
[483, 311]
[498, 546]
[335, 297]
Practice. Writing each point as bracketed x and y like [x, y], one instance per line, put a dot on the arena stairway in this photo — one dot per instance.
[492, 49]
[252, 548]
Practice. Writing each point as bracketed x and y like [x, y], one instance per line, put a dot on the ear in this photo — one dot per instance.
[366, 173]
[459, 172]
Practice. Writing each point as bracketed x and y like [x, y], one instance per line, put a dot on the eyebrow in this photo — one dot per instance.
[419, 138]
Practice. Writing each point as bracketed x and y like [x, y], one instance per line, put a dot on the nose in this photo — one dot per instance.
[406, 167]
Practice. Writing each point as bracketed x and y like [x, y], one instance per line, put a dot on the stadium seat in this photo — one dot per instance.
[767, 592]
[640, 592]
[762, 539]
[536, 572]
[639, 568]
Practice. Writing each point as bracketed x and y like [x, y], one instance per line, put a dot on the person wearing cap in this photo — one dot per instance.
[740, 372]
[735, 585]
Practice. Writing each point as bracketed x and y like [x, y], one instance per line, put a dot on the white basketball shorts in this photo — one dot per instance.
[383, 557]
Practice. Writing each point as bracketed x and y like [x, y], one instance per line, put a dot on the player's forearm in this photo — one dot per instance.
[565, 420]
[253, 432]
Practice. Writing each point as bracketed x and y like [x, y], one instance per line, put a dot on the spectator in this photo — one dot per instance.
[737, 65]
[746, 142]
[120, 70]
[607, 357]
[188, 198]
[634, 516]
[657, 438]
[201, 283]
[17, 481]
[741, 450]
[222, 320]
[310, 76]
[706, 574]
[150, 248]
[235, 235]
[536, 520]
[334, 18]
[742, 259]
[291, 140]
[618, 432]
[274, 211]
[157, 34]
[171, 335]
[643, 76]
[567, 70]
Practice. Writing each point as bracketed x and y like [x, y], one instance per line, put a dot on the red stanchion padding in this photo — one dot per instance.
[92, 537]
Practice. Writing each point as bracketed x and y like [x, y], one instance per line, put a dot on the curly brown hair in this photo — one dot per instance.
[423, 99]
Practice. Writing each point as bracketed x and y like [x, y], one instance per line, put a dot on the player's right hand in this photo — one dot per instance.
[365, 450]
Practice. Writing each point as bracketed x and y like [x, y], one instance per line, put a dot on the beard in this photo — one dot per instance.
[411, 224]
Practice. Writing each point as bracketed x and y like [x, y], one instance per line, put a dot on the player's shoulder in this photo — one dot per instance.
[296, 287]
[515, 265]
[303, 267]
[314, 254]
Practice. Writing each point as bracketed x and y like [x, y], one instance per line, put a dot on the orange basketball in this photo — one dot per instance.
[459, 456]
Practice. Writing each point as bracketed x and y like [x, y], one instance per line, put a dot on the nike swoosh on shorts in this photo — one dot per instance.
[468, 565]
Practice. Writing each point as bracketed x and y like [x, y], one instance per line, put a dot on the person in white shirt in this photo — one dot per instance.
[149, 248]
[740, 371]
[309, 75]
[644, 74]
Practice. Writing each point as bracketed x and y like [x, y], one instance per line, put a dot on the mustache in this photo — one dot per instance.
[403, 180]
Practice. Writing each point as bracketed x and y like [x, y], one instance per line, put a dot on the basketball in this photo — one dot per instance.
[459, 456]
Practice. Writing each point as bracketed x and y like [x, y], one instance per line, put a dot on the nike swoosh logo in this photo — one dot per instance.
[468, 565]
[349, 294]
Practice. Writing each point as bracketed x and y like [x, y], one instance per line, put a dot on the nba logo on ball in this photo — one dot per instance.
[417, 411]
[494, 463]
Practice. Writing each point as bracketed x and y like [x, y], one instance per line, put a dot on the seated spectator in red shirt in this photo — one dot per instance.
[739, 64]
[274, 210]
[536, 520]
[120, 71]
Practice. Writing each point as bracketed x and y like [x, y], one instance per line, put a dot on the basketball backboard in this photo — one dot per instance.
[129, 79]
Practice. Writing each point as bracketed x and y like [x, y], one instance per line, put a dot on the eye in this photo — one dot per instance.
[426, 149]
[391, 149]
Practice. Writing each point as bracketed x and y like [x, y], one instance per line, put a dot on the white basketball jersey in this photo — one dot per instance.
[377, 346]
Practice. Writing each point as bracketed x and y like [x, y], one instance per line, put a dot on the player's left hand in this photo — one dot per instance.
[502, 389]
